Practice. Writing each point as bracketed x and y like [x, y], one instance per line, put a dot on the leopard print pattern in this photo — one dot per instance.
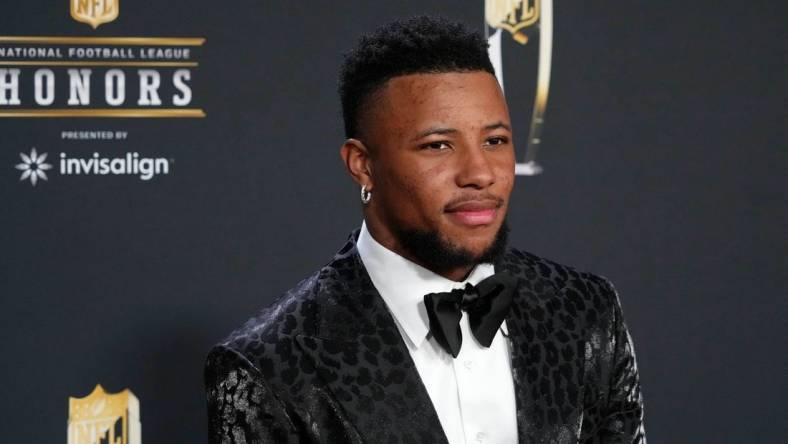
[325, 364]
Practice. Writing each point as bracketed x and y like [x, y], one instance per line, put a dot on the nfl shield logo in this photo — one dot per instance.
[104, 418]
[512, 15]
[94, 12]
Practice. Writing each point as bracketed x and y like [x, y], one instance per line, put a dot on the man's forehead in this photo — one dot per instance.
[440, 82]
[419, 97]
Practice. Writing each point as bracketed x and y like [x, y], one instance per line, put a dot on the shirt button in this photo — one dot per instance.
[468, 364]
[481, 436]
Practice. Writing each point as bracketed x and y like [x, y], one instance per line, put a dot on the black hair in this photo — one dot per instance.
[421, 44]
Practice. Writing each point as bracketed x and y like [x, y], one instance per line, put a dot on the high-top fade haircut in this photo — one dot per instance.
[419, 45]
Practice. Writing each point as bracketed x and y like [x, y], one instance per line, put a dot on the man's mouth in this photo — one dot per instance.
[474, 212]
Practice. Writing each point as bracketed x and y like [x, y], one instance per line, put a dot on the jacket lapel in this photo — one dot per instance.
[547, 357]
[359, 354]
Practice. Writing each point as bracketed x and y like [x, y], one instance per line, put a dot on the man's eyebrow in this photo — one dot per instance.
[497, 125]
[435, 130]
[443, 130]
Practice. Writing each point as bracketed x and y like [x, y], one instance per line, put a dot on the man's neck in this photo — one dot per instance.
[389, 241]
[457, 275]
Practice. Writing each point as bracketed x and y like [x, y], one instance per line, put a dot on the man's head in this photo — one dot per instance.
[429, 135]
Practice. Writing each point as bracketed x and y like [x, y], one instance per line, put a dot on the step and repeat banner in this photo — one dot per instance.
[168, 168]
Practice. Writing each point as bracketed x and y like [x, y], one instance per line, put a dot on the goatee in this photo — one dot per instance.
[430, 249]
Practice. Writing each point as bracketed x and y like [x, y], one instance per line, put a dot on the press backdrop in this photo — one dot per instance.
[665, 170]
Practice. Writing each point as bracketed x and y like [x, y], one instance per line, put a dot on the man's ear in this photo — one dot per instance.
[358, 162]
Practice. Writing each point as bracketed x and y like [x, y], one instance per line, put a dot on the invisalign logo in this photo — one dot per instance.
[131, 164]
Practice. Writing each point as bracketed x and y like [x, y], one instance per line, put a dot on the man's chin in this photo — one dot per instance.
[439, 254]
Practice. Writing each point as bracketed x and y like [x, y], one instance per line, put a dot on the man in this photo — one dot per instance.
[424, 328]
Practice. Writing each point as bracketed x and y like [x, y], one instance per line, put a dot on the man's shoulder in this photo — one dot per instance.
[296, 312]
[570, 285]
[292, 313]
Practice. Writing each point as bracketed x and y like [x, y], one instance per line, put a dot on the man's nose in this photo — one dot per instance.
[475, 169]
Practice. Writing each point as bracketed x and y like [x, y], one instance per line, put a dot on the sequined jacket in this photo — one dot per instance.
[326, 364]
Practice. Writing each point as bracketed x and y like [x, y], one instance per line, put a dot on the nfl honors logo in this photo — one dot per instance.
[102, 417]
[94, 12]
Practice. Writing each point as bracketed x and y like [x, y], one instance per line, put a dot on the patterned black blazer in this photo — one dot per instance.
[326, 364]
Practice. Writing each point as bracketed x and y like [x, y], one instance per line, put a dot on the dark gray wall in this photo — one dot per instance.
[665, 160]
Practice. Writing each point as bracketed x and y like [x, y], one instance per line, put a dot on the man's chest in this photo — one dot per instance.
[473, 394]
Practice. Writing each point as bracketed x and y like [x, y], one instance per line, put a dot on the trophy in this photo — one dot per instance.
[523, 30]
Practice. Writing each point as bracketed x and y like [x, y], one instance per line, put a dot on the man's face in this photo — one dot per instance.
[441, 161]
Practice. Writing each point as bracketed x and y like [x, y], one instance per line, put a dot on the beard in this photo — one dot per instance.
[439, 255]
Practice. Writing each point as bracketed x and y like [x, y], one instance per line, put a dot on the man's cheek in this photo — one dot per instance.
[434, 170]
[506, 181]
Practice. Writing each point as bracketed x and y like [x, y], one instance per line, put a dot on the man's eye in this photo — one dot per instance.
[438, 146]
[497, 141]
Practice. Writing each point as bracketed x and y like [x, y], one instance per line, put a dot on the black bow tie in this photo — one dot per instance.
[487, 304]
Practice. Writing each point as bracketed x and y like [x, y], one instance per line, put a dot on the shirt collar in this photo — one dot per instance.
[402, 284]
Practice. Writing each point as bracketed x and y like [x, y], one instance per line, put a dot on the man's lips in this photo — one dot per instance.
[474, 212]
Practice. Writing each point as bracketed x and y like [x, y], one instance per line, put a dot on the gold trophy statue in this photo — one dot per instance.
[524, 20]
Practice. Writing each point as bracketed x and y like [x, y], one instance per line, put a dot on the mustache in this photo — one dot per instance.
[481, 197]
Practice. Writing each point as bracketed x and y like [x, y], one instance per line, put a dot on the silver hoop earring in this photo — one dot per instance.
[366, 196]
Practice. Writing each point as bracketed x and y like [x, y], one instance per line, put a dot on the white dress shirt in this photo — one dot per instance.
[472, 394]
